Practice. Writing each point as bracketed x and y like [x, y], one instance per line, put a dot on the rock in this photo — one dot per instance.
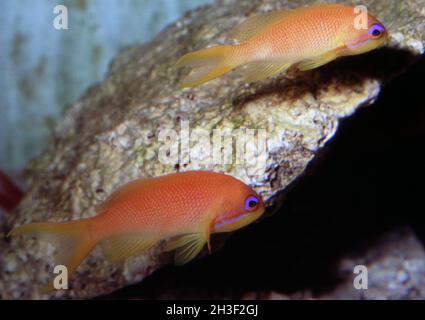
[112, 134]
[395, 268]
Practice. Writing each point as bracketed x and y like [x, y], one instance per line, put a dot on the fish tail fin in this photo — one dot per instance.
[208, 64]
[73, 241]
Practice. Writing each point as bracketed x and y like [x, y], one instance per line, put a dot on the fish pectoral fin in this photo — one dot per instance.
[118, 248]
[256, 24]
[260, 70]
[314, 63]
[187, 247]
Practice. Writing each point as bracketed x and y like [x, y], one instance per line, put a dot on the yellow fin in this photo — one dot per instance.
[256, 24]
[309, 64]
[256, 71]
[187, 247]
[71, 239]
[212, 63]
[119, 248]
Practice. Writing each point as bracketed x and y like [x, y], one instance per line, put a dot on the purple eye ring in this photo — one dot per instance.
[376, 30]
[251, 203]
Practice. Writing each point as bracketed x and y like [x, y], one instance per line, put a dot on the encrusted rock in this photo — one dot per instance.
[112, 134]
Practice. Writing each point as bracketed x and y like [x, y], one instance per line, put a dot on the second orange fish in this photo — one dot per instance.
[307, 37]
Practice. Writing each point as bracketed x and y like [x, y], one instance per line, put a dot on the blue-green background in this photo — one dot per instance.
[43, 69]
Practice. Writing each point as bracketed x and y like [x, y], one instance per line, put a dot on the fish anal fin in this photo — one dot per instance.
[319, 61]
[118, 248]
[260, 70]
[256, 24]
[187, 247]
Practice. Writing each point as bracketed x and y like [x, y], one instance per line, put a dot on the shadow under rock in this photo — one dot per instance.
[347, 72]
[370, 181]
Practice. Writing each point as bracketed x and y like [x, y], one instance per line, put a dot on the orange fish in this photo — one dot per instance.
[187, 207]
[269, 44]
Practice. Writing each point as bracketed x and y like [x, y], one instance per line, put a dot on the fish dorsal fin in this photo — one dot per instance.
[123, 191]
[256, 24]
[260, 70]
[187, 247]
[119, 248]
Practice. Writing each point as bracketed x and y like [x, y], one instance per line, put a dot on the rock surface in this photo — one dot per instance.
[112, 134]
[395, 270]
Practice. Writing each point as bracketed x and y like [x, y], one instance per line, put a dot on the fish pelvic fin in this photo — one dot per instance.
[72, 240]
[208, 64]
[121, 247]
[187, 247]
[261, 70]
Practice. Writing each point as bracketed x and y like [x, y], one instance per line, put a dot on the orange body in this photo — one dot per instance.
[187, 207]
[270, 43]
[171, 205]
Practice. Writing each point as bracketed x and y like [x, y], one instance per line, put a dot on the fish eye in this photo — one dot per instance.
[251, 203]
[376, 30]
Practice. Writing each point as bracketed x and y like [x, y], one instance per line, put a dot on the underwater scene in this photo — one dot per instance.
[219, 150]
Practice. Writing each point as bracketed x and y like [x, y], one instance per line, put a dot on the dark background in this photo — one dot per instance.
[368, 181]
